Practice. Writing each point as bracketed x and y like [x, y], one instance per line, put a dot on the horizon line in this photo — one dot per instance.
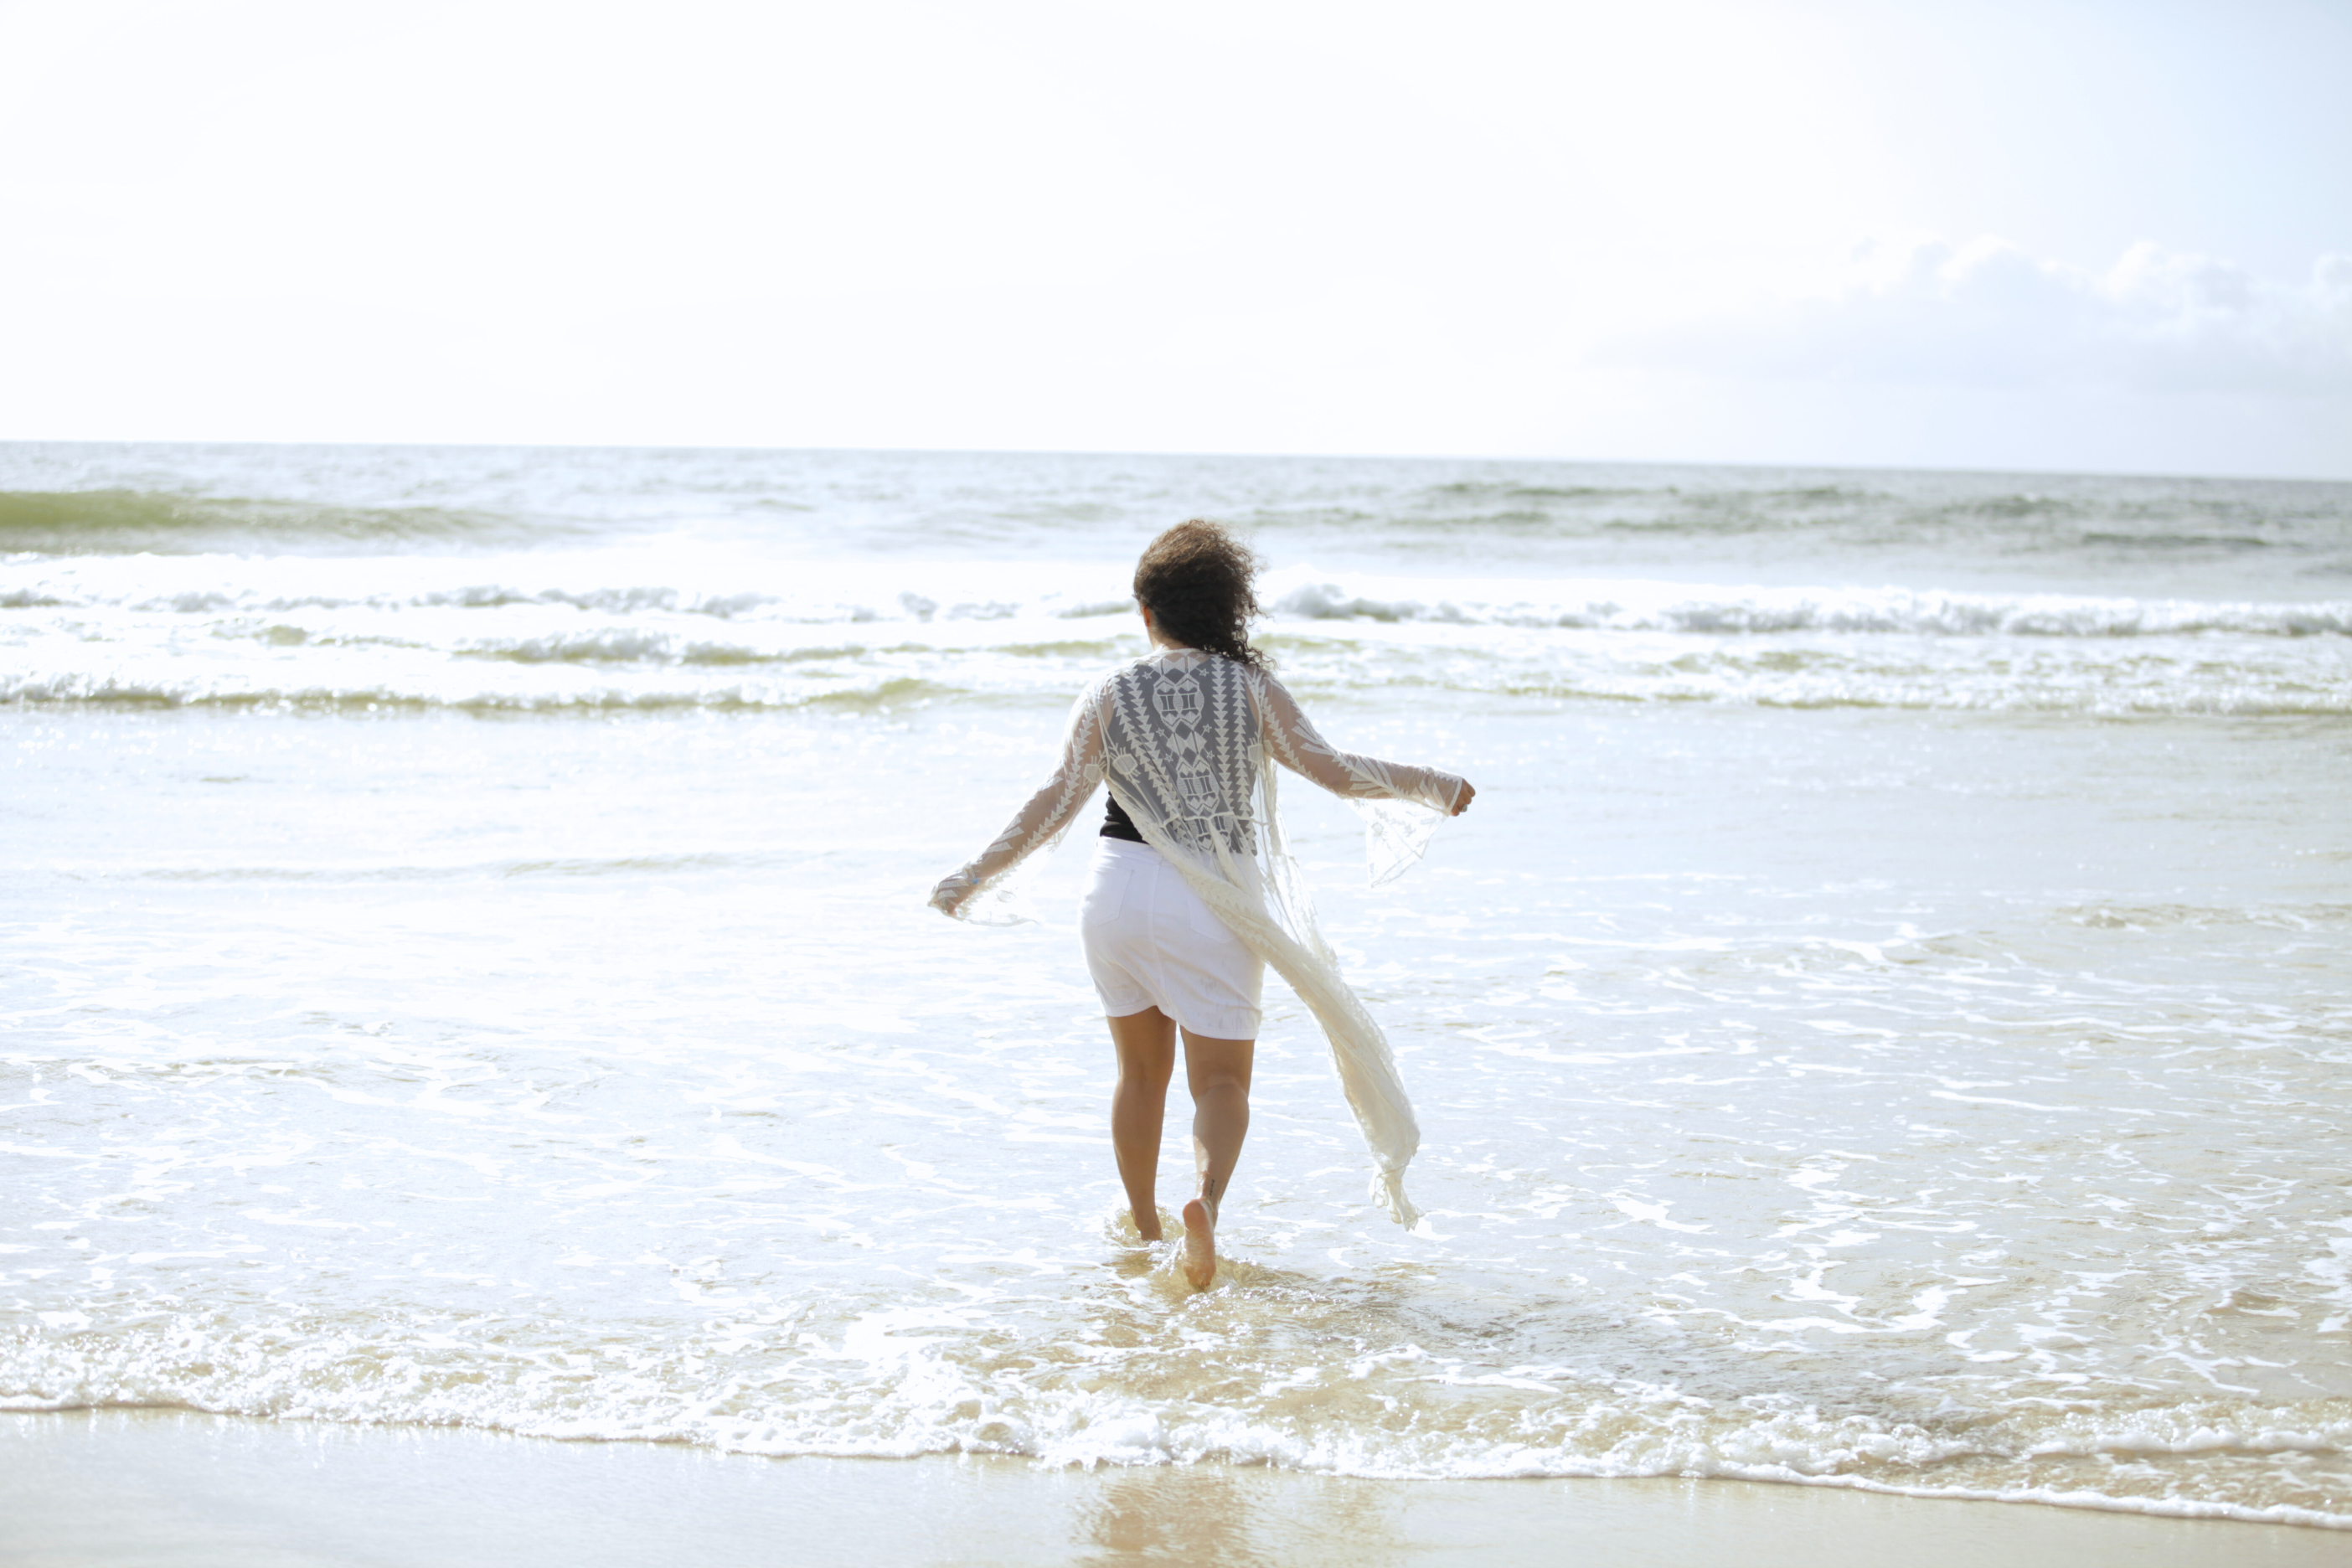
[1178, 454]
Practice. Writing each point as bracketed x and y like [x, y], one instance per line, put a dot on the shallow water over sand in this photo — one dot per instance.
[1907, 1051]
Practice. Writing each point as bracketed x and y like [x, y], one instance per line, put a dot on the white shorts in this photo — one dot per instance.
[1151, 943]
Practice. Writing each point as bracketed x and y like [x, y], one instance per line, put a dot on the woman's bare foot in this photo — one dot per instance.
[1145, 1226]
[1199, 1244]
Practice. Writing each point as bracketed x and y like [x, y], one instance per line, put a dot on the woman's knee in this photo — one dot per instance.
[1216, 1067]
[1147, 1065]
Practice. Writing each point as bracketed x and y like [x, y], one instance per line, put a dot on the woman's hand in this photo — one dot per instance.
[952, 890]
[1462, 801]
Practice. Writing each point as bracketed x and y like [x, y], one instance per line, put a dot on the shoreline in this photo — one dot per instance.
[176, 1488]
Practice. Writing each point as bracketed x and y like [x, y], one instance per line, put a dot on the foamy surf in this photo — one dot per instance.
[587, 633]
[1160, 1374]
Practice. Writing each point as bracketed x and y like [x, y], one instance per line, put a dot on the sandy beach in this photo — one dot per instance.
[176, 1490]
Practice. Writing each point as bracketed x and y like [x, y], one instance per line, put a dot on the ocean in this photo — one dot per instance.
[1885, 1021]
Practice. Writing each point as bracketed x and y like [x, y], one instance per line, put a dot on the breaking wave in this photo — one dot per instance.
[1677, 607]
[835, 595]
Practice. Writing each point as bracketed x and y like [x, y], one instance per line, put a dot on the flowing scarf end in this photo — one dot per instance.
[1388, 1191]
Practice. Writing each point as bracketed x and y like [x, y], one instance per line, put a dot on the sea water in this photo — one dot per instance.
[1885, 1021]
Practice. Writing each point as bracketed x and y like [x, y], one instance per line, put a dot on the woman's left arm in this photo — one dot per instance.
[1044, 817]
[1296, 743]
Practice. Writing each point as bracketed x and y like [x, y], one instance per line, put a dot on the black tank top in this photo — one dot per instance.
[1117, 824]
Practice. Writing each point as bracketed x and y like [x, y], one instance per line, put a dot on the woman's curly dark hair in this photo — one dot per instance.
[1199, 584]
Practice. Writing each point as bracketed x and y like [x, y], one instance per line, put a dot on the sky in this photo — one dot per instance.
[2075, 235]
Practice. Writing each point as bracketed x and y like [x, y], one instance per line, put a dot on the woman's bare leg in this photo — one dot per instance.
[1146, 1042]
[1218, 1072]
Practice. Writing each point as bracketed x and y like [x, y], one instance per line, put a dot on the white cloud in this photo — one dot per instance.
[1926, 311]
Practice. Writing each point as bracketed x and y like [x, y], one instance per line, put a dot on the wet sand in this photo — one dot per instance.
[174, 1490]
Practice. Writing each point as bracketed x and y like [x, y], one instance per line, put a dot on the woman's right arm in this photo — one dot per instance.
[1044, 815]
[1292, 740]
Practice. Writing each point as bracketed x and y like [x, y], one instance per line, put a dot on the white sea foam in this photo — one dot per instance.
[1636, 606]
[429, 632]
[630, 584]
[1119, 1384]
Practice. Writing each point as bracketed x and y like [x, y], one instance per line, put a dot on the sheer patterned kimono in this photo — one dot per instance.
[1188, 742]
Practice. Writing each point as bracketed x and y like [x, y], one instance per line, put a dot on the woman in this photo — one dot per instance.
[1192, 894]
